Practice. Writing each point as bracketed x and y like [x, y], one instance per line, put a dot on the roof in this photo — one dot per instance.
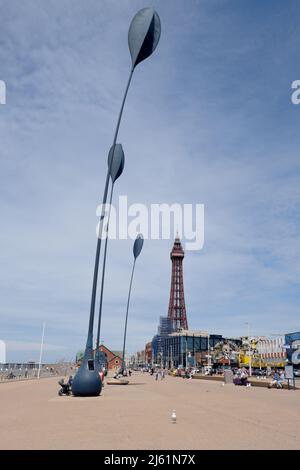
[189, 333]
[118, 353]
[115, 353]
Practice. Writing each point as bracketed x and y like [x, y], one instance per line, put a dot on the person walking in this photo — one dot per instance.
[101, 375]
[156, 375]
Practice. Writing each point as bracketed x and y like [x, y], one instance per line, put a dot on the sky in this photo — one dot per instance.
[208, 119]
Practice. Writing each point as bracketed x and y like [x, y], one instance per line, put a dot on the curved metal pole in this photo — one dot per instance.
[126, 318]
[97, 355]
[89, 344]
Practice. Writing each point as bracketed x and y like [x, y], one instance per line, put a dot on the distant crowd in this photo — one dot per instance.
[240, 376]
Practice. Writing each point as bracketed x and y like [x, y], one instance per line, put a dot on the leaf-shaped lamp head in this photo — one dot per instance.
[138, 245]
[143, 35]
[118, 162]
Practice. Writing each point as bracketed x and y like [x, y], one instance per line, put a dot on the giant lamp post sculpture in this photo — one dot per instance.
[143, 37]
[137, 248]
[116, 170]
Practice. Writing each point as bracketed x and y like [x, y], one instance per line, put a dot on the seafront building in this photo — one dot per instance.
[175, 345]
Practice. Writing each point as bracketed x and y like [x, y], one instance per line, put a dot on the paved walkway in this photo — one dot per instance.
[138, 416]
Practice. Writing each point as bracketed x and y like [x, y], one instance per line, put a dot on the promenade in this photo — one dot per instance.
[138, 416]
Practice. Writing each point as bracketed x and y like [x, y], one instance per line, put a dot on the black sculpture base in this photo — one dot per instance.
[86, 383]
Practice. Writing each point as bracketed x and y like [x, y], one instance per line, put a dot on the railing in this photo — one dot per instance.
[15, 372]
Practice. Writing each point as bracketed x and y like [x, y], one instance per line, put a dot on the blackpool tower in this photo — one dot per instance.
[177, 312]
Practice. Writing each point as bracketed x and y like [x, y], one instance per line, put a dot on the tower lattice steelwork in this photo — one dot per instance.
[177, 312]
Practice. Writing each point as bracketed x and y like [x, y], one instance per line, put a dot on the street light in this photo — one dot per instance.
[41, 350]
[249, 350]
[186, 352]
[137, 248]
[208, 352]
[143, 37]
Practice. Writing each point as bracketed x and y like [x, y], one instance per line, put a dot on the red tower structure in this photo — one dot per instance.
[177, 312]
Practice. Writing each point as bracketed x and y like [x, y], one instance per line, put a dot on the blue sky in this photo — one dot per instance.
[208, 119]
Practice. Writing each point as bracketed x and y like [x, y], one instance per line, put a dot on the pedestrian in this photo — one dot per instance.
[282, 376]
[244, 377]
[101, 375]
[156, 375]
[276, 381]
